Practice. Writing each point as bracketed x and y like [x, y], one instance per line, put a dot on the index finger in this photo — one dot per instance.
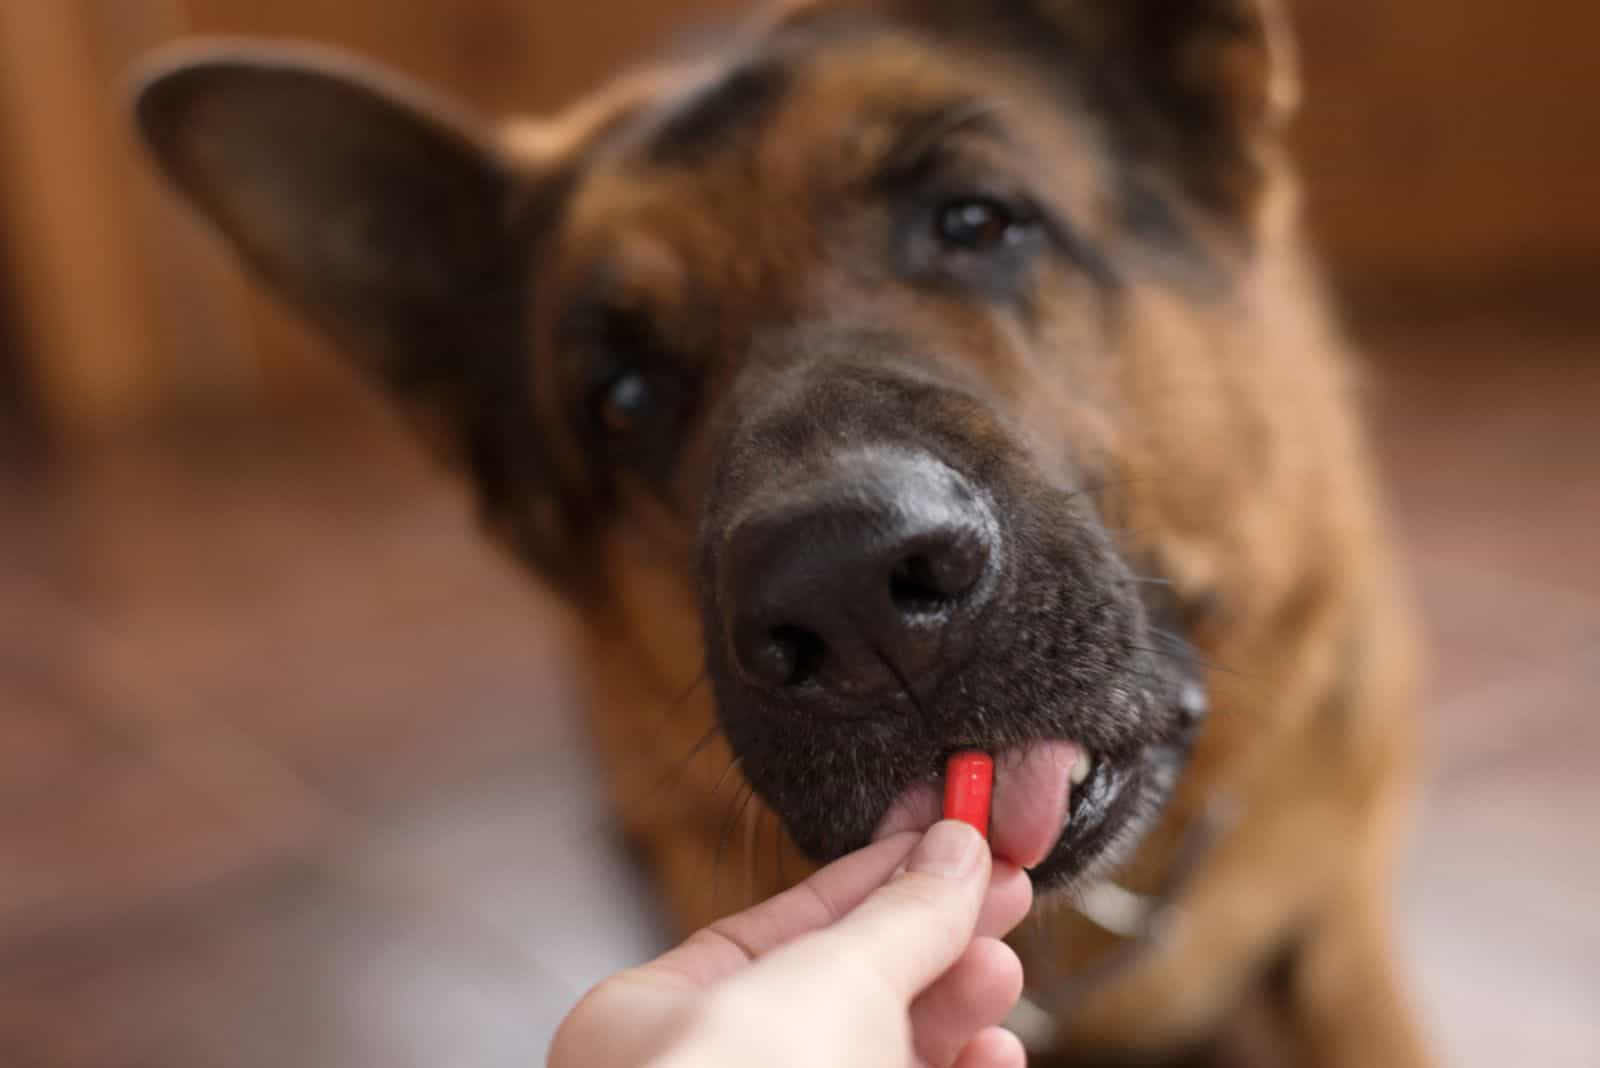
[819, 901]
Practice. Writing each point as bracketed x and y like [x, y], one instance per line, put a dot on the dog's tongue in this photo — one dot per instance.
[1032, 789]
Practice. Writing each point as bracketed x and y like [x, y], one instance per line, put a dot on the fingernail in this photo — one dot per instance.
[950, 848]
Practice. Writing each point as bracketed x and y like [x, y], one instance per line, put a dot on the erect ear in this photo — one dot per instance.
[1211, 84]
[381, 213]
[368, 204]
[1198, 88]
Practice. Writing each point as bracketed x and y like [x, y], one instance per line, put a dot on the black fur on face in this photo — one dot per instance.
[1063, 647]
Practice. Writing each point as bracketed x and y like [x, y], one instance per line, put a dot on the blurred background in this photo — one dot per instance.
[290, 763]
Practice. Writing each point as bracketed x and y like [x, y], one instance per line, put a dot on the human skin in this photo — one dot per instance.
[889, 956]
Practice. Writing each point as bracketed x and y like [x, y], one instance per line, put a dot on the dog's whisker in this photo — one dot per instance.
[716, 857]
[780, 840]
[752, 830]
[757, 854]
[732, 764]
[727, 824]
[1097, 488]
[1172, 636]
[1191, 660]
[736, 806]
[1180, 644]
[675, 771]
[688, 691]
[1130, 534]
[682, 763]
[777, 849]
[663, 722]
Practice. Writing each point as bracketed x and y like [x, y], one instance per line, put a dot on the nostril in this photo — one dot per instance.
[928, 582]
[795, 653]
[915, 588]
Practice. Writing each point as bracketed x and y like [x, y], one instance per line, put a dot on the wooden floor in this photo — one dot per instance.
[289, 773]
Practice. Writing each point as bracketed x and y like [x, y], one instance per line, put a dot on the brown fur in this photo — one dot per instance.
[1212, 395]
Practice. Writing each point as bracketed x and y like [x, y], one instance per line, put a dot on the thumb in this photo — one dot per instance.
[912, 929]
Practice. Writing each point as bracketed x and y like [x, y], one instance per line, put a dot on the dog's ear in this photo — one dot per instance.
[370, 205]
[1202, 88]
[382, 213]
[1214, 83]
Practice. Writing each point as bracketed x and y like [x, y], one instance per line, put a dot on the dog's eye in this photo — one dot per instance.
[623, 403]
[980, 224]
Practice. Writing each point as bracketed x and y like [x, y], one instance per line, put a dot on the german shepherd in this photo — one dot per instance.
[896, 377]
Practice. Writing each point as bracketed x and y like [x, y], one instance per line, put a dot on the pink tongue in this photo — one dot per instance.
[915, 810]
[1032, 788]
[1031, 792]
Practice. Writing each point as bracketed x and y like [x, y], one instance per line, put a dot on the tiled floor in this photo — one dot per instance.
[1493, 442]
[289, 774]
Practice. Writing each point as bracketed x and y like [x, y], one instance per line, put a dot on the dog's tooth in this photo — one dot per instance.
[1081, 768]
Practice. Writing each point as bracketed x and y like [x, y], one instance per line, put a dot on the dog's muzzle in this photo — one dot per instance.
[889, 575]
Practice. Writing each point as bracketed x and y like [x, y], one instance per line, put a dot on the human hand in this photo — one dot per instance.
[860, 965]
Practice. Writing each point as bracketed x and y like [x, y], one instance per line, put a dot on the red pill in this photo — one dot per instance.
[968, 781]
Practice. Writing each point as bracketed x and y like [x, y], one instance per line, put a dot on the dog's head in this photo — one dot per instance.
[905, 344]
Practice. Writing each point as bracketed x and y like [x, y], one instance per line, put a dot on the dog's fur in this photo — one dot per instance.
[1147, 390]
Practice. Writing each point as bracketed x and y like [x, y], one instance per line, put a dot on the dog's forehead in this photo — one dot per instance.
[738, 160]
[775, 117]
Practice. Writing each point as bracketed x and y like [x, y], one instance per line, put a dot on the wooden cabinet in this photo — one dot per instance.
[1453, 146]
[69, 232]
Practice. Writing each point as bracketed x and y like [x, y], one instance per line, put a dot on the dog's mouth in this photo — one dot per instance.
[1058, 808]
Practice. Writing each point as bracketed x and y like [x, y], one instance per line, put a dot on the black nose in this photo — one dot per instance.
[867, 580]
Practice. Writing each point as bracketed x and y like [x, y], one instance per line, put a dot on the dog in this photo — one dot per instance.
[891, 378]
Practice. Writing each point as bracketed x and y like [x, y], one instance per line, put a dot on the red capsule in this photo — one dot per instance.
[968, 783]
